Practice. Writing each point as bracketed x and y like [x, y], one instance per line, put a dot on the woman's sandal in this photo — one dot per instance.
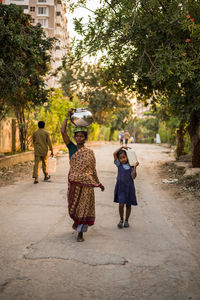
[120, 224]
[126, 224]
[80, 238]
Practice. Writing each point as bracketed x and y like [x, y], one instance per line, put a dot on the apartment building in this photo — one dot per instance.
[139, 109]
[51, 14]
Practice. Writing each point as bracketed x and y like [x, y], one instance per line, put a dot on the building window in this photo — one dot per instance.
[43, 22]
[32, 21]
[42, 1]
[58, 13]
[59, 2]
[32, 8]
[57, 47]
[42, 10]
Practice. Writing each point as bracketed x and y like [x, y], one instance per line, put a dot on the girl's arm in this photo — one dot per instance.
[134, 174]
[115, 153]
[65, 136]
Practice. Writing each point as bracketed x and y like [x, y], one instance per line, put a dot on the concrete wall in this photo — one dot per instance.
[9, 161]
[9, 136]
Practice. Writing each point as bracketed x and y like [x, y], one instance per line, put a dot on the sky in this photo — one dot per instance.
[81, 12]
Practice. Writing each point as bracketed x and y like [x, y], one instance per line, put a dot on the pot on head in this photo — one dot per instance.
[81, 117]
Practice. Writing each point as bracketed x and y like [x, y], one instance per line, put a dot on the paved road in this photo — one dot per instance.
[156, 258]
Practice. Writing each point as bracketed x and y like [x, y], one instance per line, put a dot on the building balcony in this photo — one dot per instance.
[58, 19]
[58, 7]
[22, 2]
[45, 2]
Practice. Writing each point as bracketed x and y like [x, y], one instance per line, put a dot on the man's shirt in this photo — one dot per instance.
[42, 142]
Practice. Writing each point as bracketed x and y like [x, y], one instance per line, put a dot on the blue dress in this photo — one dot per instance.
[124, 188]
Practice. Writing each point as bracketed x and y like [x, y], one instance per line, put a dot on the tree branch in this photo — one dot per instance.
[88, 9]
[150, 59]
[111, 6]
[164, 8]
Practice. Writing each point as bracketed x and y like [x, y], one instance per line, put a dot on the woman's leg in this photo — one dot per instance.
[80, 237]
[128, 212]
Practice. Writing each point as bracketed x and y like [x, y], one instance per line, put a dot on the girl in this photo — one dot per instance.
[124, 188]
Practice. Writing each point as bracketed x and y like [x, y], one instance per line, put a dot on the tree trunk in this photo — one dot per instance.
[13, 135]
[180, 140]
[20, 115]
[112, 130]
[194, 132]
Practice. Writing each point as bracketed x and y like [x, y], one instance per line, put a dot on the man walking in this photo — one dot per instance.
[41, 142]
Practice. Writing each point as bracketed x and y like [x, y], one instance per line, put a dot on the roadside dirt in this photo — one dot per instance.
[16, 173]
[185, 191]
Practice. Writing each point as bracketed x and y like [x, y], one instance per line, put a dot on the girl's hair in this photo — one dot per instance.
[120, 152]
[84, 132]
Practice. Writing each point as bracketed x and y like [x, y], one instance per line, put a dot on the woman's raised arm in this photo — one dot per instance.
[65, 136]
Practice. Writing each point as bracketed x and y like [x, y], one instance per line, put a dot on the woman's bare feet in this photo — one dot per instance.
[80, 237]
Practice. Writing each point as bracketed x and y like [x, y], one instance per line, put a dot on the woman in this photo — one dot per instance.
[82, 179]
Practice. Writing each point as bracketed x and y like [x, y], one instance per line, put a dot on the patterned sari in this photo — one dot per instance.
[82, 180]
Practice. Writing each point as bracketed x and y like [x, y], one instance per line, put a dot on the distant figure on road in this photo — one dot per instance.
[81, 180]
[41, 142]
[126, 137]
[121, 137]
[124, 189]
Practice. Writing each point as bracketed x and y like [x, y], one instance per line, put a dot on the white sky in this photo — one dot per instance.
[81, 12]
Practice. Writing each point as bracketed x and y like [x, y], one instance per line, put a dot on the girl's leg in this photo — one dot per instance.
[121, 211]
[121, 214]
[128, 212]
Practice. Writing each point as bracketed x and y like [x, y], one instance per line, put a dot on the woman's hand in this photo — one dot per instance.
[102, 188]
[70, 112]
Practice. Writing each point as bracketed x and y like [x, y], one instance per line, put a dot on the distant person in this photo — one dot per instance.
[41, 142]
[121, 137]
[124, 193]
[126, 137]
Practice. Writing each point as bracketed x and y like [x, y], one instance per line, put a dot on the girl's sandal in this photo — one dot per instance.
[120, 224]
[126, 224]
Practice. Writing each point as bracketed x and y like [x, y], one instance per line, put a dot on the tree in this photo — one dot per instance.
[53, 114]
[24, 62]
[151, 47]
[109, 106]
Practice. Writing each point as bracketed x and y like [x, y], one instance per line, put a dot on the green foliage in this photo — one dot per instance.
[98, 133]
[151, 47]
[188, 146]
[24, 61]
[54, 112]
[110, 107]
